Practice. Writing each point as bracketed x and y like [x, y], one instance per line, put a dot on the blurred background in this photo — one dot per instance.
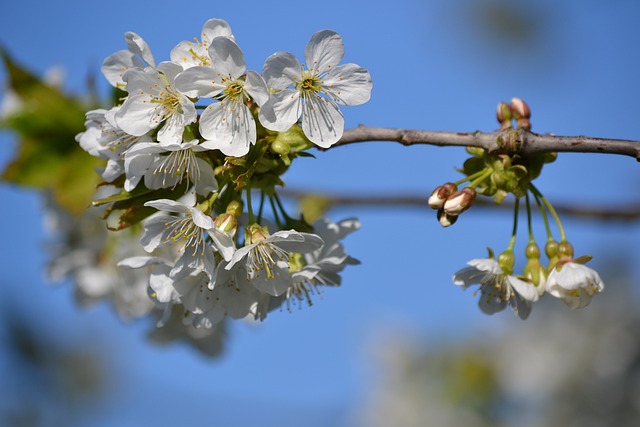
[397, 344]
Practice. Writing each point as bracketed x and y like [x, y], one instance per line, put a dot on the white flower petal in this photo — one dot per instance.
[199, 82]
[138, 46]
[227, 57]
[348, 84]
[256, 87]
[115, 65]
[322, 121]
[215, 28]
[281, 70]
[324, 50]
[526, 289]
[281, 111]
[215, 124]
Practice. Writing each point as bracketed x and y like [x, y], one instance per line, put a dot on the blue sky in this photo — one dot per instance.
[435, 65]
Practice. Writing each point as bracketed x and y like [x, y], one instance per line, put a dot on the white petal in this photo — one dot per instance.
[215, 124]
[215, 28]
[138, 46]
[227, 57]
[137, 116]
[168, 205]
[322, 121]
[207, 183]
[199, 82]
[348, 84]
[527, 290]
[201, 220]
[114, 66]
[281, 70]
[256, 87]
[189, 54]
[281, 111]
[324, 51]
[486, 264]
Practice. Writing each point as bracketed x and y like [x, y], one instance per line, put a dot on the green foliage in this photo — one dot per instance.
[48, 157]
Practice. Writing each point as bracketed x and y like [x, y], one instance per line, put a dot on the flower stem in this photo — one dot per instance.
[487, 173]
[515, 225]
[531, 239]
[249, 207]
[551, 210]
[275, 213]
[261, 206]
[470, 177]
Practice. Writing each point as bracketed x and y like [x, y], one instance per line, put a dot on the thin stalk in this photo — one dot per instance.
[515, 226]
[551, 210]
[275, 213]
[249, 207]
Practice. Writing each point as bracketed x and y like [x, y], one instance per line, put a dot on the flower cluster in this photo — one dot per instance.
[193, 140]
[497, 175]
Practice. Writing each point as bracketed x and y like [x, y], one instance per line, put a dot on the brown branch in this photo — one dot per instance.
[630, 212]
[512, 141]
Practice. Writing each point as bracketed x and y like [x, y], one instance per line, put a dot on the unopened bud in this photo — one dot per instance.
[234, 208]
[227, 222]
[504, 116]
[440, 195]
[520, 109]
[280, 147]
[445, 219]
[460, 201]
[254, 233]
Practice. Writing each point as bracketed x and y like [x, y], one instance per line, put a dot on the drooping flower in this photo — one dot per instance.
[168, 165]
[191, 54]
[312, 270]
[137, 56]
[102, 138]
[574, 284]
[317, 89]
[186, 226]
[266, 256]
[497, 289]
[153, 101]
[227, 125]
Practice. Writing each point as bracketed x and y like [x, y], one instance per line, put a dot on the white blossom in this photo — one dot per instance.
[196, 53]
[266, 256]
[497, 289]
[322, 120]
[574, 283]
[138, 55]
[153, 101]
[227, 125]
[168, 165]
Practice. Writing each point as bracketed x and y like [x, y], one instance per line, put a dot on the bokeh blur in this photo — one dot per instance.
[397, 343]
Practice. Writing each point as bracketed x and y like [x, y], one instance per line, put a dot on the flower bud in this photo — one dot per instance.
[520, 109]
[227, 222]
[521, 113]
[445, 219]
[280, 147]
[459, 201]
[440, 195]
[234, 208]
[504, 116]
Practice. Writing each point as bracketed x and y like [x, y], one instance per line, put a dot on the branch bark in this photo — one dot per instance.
[511, 141]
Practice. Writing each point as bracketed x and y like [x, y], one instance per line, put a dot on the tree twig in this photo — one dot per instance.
[512, 141]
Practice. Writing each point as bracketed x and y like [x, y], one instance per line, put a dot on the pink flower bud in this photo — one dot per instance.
[520, 109]
[440, 195]
[445, 219]
[227, 222]
[460, 201]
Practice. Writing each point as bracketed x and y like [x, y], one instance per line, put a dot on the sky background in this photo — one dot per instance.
[435, 65]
